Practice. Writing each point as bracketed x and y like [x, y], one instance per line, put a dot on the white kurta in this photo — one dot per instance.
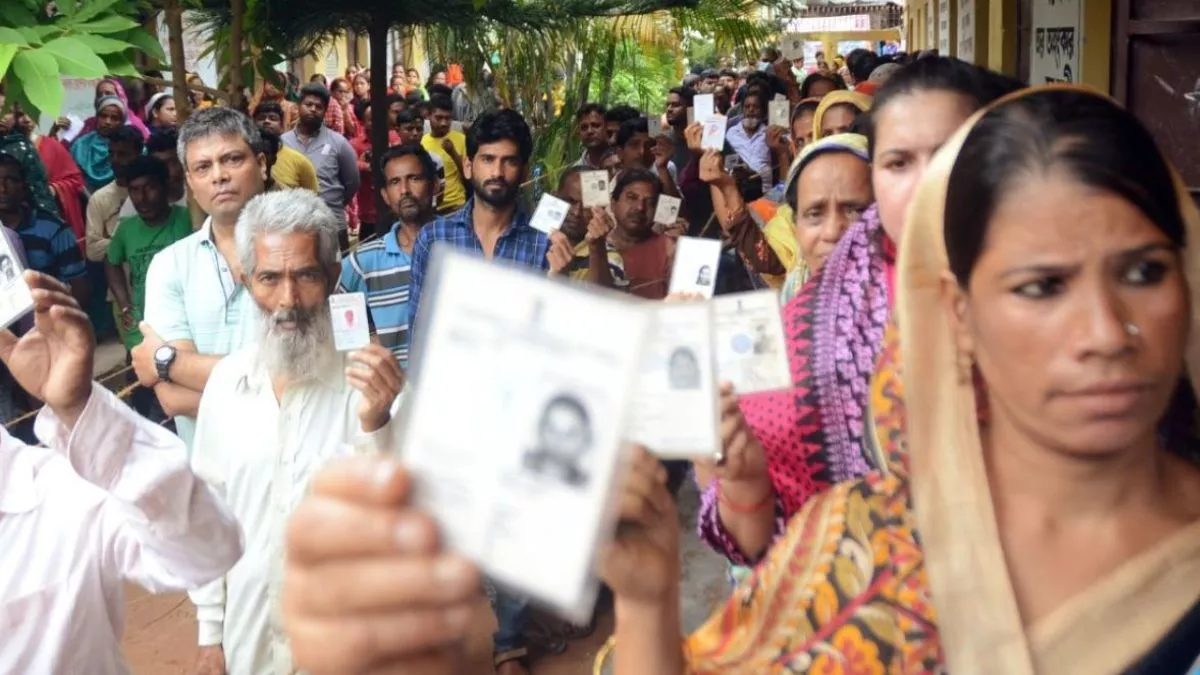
[259, 454]
[112, 500]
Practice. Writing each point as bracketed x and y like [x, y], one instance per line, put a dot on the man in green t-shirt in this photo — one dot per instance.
[139, 238]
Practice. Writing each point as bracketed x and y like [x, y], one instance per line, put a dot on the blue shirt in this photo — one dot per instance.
[520, 243]
[383, 271]
[50, 247]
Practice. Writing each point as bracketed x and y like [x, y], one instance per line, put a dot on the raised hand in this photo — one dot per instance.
[641, 564]
[367, 586]
[561, 252]
[53, 362]
[599, 225]
[742, 466]
[712, 168]
[379, 378]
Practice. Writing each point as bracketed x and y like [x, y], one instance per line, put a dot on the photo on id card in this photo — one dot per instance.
[596, 190]
[348, 312]
[513, 430]
[16, 300]
[674, 407]
[695, 266]
[748, 334]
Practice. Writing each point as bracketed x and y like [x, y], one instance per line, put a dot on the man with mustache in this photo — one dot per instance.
[647, 254]
[382, 268]
[328, 150]
[277, 410]
[491, 224]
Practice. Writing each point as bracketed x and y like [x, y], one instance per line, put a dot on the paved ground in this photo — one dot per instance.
[160, 630]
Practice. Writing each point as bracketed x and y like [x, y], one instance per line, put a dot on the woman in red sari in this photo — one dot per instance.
[64, 178]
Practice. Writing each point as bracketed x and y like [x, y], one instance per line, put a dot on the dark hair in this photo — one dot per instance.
[147, 165]
[589, 109]
[393, 99]
[269, 143]
[764, 101]
[573, 170]
[441, 102]
[572, 403]
[860, 63]
[1095, 141]
[631, 127]
[685, 93]
[407, 117]
[500, 125]
[621, 113]
[803, 107]
[807, 85]
[728, 73]
[159, 103]
[938, 73]
[413, 98]
[410, 150]
[632, 176]
[360, 109]
[315, 89]
[8, 160]
[439, 90]
[128, 135]
[162, 140]
[340, 80]
[268, 107]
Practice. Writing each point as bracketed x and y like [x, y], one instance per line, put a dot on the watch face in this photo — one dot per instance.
[163, 353]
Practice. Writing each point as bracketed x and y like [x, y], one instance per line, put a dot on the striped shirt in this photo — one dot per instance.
[520, 243]
[191, 294]
[50, 247]
[580, 264]
[383, 271]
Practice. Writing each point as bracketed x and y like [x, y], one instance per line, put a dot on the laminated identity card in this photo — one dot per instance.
[351, 330]
[16, 300]
[705, 108]
[667, 211]
[748, 338]
[695, 266]
[596, 190]
[549, 214]
[654, 126]
[514, 429]
[777, 113]
[714, 134]
[674, 408]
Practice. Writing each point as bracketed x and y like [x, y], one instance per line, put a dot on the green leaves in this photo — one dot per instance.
[74, 58]
[7, 52]
[102, 45]
[11, 37]
[38, 72]
[109, 24]
[146, 42]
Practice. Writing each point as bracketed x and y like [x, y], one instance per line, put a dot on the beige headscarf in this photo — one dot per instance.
[1103, 630]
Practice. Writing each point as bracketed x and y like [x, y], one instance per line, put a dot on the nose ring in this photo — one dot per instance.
[1132, 330]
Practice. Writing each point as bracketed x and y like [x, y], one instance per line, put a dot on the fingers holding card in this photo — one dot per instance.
[351, 330]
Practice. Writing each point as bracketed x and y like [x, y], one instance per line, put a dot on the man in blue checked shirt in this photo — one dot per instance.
[499, 145]
[382, 268]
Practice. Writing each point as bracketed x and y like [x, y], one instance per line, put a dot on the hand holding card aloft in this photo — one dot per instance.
[549, 214]
[674, 405]
[705, 108]
[750, 343]
[667, 210]
[695, 266]
[16, 299]
[642, 562]
[714, 134]
[654, 126]
[596, 191]
[376, 374]
[348, 311]
[778, 113]
[523, 483]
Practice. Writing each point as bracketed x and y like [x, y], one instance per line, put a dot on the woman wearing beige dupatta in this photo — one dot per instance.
[1041, 530]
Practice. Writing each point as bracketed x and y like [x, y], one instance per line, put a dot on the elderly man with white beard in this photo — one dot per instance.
[274, 412]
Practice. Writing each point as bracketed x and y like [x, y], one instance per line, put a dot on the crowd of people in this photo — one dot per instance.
[985, 291]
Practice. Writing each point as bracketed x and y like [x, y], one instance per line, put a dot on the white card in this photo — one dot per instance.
[549, 214]
[750, 348]
[791, 45]
[691, 115]
[667, 211]
[526, 485]
[456, 126]
[705, 108]
[674, 407]
[428, 128]
[777, 113]
[348, 311]
[654, 126]
[780, 97]
[714, 134]
[695, 267]
[16, 300]
[595, 188]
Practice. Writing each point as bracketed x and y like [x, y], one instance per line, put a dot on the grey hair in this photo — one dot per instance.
[217, 122]
[287, 212]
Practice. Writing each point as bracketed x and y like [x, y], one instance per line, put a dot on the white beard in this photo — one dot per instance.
[299, 354]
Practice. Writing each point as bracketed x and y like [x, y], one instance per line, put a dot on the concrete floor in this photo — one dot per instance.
[160, 630]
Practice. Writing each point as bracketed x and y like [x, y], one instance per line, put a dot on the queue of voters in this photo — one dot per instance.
[916, 338]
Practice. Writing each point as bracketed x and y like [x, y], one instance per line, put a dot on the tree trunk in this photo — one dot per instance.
[183, 102]
[379, 115]
[236, 43]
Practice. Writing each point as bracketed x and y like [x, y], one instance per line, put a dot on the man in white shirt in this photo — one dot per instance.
[110, 501]
[274, 412]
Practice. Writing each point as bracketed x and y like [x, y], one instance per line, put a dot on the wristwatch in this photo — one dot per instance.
[164, 356]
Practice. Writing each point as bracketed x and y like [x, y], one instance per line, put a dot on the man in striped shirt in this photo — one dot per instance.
[382, 268]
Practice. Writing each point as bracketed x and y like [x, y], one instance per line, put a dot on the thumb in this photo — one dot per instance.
[8, 342]
[147, 332]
